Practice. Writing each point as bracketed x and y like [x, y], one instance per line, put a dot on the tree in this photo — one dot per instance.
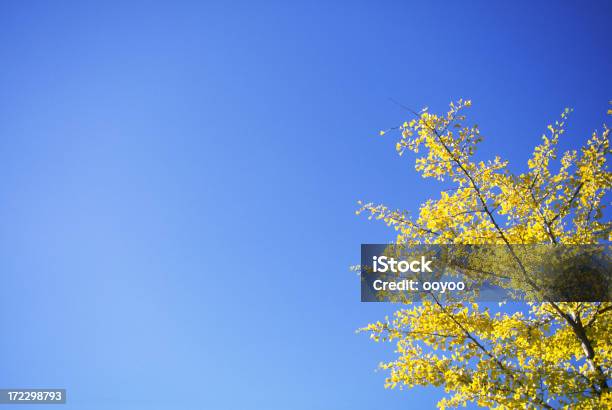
[547, 355]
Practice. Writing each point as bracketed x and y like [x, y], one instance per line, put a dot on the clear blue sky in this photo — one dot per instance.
[179, 182]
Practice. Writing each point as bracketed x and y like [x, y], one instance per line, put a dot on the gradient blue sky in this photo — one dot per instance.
[179, 182]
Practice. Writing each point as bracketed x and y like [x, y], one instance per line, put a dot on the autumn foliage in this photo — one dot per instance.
[545, 355]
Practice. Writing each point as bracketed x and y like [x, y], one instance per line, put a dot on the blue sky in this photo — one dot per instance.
[179, 182]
